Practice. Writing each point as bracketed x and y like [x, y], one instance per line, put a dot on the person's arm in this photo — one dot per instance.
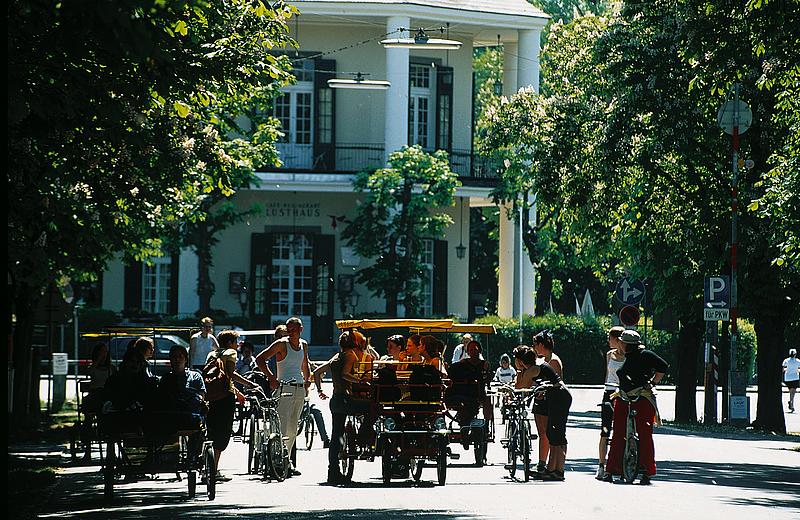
[555, 364]
[318, 373]
[305, 367]
[457, 353]
[264, 357]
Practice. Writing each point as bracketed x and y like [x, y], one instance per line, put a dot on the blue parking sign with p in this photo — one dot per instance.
[717, 291]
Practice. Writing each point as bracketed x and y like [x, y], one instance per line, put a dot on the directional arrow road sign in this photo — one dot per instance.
[630, 292]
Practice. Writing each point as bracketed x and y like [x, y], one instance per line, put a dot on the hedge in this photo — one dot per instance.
[582, 345]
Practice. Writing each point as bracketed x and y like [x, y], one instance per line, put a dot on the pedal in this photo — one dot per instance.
[455, 456]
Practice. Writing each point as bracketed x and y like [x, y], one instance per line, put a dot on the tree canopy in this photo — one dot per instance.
[401, 208]
[623, 145]
[113, 127]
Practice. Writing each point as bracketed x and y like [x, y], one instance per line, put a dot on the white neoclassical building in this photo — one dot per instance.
[291, 258]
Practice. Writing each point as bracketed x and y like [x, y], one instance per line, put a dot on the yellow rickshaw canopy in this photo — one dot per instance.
[461, 328]
[394, 323]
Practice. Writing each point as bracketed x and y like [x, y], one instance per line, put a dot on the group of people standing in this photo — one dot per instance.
[630, 369]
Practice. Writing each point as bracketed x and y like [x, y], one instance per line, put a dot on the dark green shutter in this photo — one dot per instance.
[174, 286]
[444, 108]
[322, 313]
[133, 286]
[440, 277]
[324, 142]
[259, 287]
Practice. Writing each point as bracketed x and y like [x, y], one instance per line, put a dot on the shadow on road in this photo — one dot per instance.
[591, 421]
[781, 479]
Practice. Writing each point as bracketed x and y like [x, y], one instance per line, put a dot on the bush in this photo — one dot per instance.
[580, 344]
[94, 318]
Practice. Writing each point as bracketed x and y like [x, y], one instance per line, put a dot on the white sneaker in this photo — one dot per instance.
[601, 472]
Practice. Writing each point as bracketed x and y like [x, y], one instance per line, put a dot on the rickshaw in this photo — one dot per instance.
[85, 430]
[410, 426]
[465, 396]
[146, 443]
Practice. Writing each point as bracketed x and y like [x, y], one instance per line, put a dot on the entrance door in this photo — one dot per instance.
[292, 279]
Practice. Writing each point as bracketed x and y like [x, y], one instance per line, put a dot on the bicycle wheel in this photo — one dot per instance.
[525, 450]
[253, 444]
[347, 455]
[278, 458]
[109, 470]
[512, 448]
[386, 463]
[441, 463]
[416, 468]
[209, 472]
[310, 431]
[192, 478]
[630, 459]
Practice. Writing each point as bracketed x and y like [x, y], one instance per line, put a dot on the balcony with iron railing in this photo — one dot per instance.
[349, 158]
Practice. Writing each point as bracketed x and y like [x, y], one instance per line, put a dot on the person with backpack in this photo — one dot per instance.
[219, 373]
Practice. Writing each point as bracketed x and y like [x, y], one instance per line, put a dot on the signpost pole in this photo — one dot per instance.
[734, 234]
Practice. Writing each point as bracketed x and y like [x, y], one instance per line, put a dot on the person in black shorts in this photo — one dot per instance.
[558, 399]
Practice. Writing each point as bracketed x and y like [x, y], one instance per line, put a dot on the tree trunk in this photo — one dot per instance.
[205, 287]
[26, 412]
[769, 334]
[544, 292]
[690, 338]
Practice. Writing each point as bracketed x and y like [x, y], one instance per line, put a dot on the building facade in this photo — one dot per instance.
[291, 258]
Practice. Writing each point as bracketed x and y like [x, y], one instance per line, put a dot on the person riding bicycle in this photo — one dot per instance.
[558, 400]
[643, 369]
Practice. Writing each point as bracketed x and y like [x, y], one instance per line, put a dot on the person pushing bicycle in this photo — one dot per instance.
[642, 370]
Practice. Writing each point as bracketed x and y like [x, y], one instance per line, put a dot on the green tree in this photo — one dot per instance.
[107, 144]
[399, 210]
[625, 139]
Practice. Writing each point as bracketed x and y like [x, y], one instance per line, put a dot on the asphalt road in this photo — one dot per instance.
[699, 476]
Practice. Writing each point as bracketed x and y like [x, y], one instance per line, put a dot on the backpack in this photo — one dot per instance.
[216, 379]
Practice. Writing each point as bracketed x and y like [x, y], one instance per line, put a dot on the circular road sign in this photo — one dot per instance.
[728, 113]
[629, 315]
[630, 291]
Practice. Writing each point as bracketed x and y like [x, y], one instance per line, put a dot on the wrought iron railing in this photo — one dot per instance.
[355, 157]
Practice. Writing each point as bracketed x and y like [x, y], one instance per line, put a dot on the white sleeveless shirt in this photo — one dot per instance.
[612, 379]
[290, 368]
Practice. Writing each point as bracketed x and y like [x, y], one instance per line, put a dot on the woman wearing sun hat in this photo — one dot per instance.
[643, 369]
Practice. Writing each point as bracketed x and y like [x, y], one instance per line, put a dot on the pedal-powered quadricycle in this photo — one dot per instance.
[468, 398]
[408, 395]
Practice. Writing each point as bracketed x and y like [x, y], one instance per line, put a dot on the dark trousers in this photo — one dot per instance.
[339, 415]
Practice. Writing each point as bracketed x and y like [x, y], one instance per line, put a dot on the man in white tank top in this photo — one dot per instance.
[291, 354]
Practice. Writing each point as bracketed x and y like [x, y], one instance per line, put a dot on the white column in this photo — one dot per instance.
[507, 260]
[528, 60]
[509, 68]
[396, 116]
[188, 300]
[528, 76]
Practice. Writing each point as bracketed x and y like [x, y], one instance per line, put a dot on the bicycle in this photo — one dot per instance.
[630, 456]
[307, 426]
[266, 453]
[518, 436]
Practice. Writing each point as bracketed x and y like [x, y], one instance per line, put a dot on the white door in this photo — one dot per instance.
[292, 278]
[294, 110]
[420, 127]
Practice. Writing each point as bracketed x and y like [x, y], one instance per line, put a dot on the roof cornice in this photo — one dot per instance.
[413, 10]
